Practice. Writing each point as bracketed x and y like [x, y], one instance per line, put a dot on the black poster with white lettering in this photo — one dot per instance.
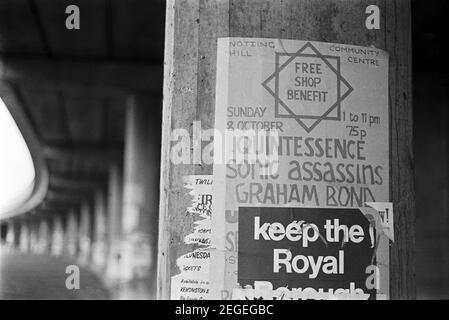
[329, 250]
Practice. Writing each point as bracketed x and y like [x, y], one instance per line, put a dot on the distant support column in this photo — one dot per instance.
[99, 246]
[24, 236]
[71, 234]
[114, 216]
[140, 196]
[34, 235]
[43, 235]
[57, 242]
[11, 234]
[85, 234]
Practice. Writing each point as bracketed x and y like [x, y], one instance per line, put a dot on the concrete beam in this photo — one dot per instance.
[52, 206]
[42, 211]
[24, 236]
[62, 196]
[97, 153]
[70, 183]
[94, 75]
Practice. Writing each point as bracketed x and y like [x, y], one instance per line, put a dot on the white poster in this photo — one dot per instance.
[299, 124]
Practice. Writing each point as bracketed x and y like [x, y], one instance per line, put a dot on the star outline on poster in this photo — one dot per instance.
[312, 119]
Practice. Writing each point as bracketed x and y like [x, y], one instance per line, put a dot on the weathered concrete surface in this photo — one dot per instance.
[192, 29]
[41, 276]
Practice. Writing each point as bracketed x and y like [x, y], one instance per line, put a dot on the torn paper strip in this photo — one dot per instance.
[192, 283]
[382, 214]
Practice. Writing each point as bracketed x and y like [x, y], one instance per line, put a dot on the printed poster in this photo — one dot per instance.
[301, 145]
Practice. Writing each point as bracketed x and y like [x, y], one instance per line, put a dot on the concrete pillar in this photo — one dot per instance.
[99, 246]
[192, 29]
[140, 205]
[71, 234]
[11, 234]
[44, 236]
[114, 217]
[3, 231]
[57, 242]
[24, 236]
[85, 234]
[34, 235]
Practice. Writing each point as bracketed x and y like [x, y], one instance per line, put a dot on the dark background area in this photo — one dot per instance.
[430, 38]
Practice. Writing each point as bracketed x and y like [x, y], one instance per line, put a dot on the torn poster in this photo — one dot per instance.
[193, 281]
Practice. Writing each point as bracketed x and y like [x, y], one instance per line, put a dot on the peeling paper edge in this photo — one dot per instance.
[194, 190]
[383, 246]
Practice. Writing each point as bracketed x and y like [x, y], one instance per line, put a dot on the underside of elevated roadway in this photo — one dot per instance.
[67, 88]
[88, 104]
